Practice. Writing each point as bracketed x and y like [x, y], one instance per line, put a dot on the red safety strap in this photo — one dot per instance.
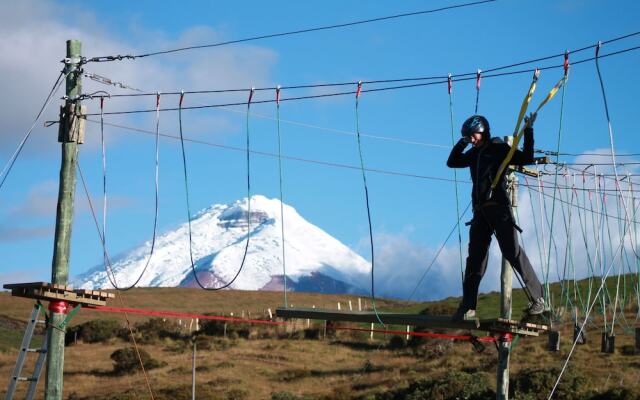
[181, 98]
[359, 90]
[478, 77]
[566, 63]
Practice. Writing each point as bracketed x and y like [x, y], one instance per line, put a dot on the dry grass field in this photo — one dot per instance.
[280, 363]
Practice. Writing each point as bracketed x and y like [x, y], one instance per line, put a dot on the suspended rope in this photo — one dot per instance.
[555, 182]
[455, 177]
[103, 237]
[366, 197]
[478, 77]
[613, 152]
[156, 208]
[246, 247]
[284, 258]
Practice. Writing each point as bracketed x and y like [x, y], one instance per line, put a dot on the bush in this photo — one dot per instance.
[126, 361]
[396, 342]
[453, 385]
[93, 331]
[535, 384]
[233, 330]
[158, 328]
[620, 393]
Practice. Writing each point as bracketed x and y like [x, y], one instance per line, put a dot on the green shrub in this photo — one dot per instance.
[396, 342]
[454, 385]
[536, 384]
[93, 331]
[126, 361]
[620, 393]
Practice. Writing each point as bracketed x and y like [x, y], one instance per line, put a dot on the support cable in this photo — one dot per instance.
[386, 88]
[289, 33]
[6, 170]
[467, 75]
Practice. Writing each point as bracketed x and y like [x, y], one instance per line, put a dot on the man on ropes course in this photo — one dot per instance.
[492, 211]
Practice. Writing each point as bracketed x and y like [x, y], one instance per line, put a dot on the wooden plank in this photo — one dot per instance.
[428, 321]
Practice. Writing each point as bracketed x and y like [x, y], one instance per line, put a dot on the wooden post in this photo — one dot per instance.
[193, 370]
[64, 222]
[506, 280]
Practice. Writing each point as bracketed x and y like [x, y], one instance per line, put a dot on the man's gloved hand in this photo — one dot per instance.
[465, 140]
[529, 120]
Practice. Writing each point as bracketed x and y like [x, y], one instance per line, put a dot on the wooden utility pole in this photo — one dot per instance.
[70, 134]
[506, 280]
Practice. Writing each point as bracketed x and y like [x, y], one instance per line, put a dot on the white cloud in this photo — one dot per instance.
[34, 37]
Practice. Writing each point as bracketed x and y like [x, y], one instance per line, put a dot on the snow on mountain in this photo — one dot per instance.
[315, 261]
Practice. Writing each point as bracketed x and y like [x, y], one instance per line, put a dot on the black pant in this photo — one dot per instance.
[499, 221]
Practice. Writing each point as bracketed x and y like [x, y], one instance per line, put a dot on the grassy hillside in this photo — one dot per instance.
[299, 362]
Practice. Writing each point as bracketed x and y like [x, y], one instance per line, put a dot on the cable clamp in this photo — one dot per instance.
[478, 78]
[566, 63]
[449, 82]
[536, 75]
[251, 91]
[181, 99]
[598, 46]
[359, 89]
[278, 95]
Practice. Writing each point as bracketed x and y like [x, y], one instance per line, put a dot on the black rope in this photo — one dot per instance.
[296, 32]
[246, 247]
[410, 79]
[9, 166]
[398, 87]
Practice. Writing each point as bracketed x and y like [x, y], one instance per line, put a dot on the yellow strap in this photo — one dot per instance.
[516, 138]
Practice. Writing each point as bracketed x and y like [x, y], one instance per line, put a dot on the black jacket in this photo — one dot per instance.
[484, 162]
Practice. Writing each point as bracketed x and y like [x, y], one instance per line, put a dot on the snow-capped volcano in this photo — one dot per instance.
[315, 261]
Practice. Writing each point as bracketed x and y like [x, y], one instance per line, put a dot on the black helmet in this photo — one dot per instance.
[475, 124]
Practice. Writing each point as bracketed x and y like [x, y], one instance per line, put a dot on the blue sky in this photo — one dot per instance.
[411, 216]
